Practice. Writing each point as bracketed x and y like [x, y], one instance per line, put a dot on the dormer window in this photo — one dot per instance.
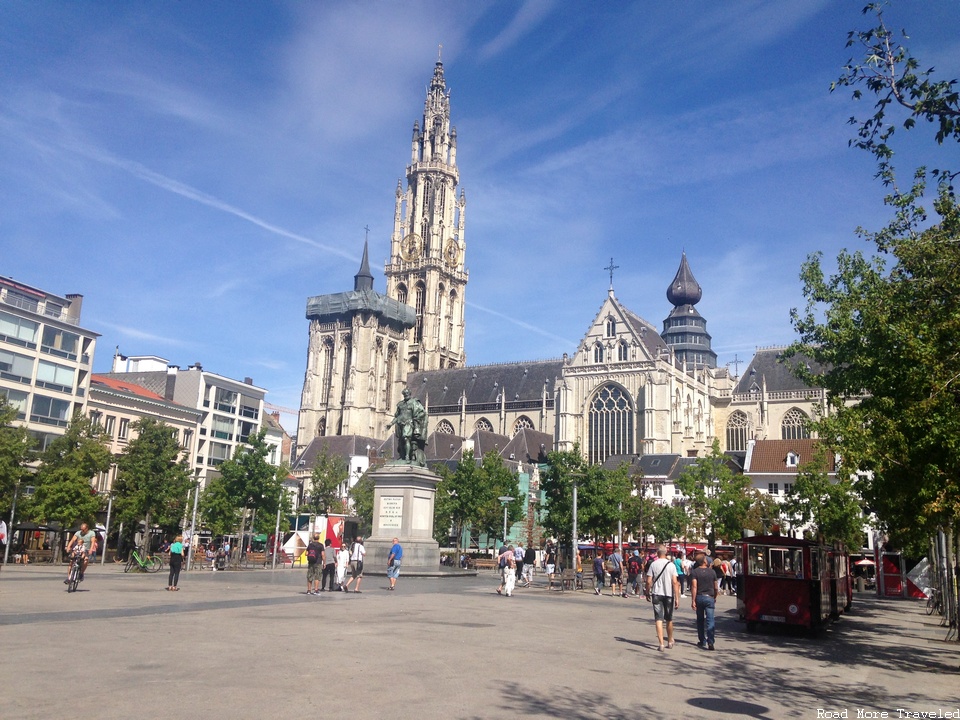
[793, 459]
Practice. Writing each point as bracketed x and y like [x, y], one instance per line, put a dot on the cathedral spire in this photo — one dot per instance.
[363, 280]
[685, 330]
[684, 290]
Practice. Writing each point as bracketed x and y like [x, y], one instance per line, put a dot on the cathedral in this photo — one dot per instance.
[626, 390]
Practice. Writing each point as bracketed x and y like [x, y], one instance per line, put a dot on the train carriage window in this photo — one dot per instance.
[779, 561]
[758, 560]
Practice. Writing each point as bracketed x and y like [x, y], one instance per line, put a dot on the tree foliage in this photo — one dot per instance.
[896, 80]
[219, 514]
[323, 491]
[362, 496]
[64, 493]
[765, 512]
[15, 446]
[717, 498]
[153, 477]
[832, 508]
[603, 497]
[669, 522]
[887, 326]
[468, 496]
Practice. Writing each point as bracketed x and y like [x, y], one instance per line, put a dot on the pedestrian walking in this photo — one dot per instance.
[598, 572]
[343, 560]
[518, 559]
[634, 572]
[329, 566]
[508, 565]
[664, 589]
[393, 563]
[357, 553]
[704, 588]
[314, 565]
[529, 561]
[176, 563]
[615, 568]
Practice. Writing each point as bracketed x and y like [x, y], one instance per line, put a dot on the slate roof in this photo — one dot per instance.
[343, 446]
[529, 446]
[767, 365]
[646, 332]
[522, 381]
[770, 456]
[663, 467]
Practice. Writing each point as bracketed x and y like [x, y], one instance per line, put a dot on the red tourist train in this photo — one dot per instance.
[787, 581]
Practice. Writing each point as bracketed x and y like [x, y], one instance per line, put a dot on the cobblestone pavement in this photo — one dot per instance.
[252, 644]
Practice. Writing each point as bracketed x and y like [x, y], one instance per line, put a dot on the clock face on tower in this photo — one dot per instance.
[411, 247]
[451, 252]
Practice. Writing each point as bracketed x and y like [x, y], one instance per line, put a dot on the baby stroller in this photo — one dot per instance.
[220, 561]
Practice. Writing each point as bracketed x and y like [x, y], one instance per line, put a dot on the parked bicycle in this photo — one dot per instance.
[142, 561]
[75, 573]
[934, 601]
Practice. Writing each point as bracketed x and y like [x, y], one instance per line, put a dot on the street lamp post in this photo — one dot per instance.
[573, 540]
[505, 500]
[106, 529]
[27, 490]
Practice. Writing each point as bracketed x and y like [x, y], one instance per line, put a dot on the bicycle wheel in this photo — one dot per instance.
[130, 564]
[74, 578]
[153, 564]
[931, 604]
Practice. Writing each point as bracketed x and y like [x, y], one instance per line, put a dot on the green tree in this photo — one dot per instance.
[832, 508]
[362, 496]
[717, 497]
[323, 491]
[669, 522]
[64, 493]
[639, 510]
[253, 484]
[887, 326]
[468, 496]
[218, 512]
[765, 512]
[15, 453]
[153, 478]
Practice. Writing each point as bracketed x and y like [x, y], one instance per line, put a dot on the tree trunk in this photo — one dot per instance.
[234, 552]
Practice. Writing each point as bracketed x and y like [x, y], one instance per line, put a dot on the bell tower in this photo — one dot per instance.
[426, 269]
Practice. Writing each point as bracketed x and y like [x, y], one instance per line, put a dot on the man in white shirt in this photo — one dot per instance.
[687, 564]
[663, 586]
[356, 565]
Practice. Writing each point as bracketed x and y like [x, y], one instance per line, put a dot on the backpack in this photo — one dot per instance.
[633, 565]
[312, 553]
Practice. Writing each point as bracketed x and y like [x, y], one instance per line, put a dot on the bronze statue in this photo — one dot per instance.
[410, 421]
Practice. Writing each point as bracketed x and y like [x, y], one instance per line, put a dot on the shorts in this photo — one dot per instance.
[356, 568]
[314, 572]
[615, 576]
[550, 568]
[663, 608]
[393, 571]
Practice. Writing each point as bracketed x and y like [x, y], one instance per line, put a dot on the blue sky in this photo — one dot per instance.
[197, 170]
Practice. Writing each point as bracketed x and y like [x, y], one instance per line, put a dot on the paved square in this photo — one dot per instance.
[252, 644]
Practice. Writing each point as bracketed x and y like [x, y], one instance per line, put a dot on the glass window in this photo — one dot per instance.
[60, 342]
[773, 488]
[18, 330]
[787, 488]
[20, 300]
[17, 399]
[16, 367]
[56, 377]
[611, 327]
[226, 400]
[50, 411]
[222, 428]
[218, 453]
[794, 425]
[598, 353]
[246, 430]
[610, 423]
[124, 432]
[623, 354]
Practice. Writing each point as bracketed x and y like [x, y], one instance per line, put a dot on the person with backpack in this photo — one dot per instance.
[314, 565]
[615, 568]
[634, 572]
[664, 589]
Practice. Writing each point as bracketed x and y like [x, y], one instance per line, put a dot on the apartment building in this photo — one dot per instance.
[46, 358]
[230, 410]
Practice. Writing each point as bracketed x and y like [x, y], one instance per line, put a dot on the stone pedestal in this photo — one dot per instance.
[403, 499]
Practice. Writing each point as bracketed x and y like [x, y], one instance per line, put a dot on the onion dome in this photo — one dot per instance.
[684, 290]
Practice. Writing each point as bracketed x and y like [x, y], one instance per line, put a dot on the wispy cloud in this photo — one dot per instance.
[528, 16]
[137, 334]
[519, 323]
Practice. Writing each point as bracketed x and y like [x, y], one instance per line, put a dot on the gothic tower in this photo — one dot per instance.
[355, 361]
[426, 269]
[685, 330]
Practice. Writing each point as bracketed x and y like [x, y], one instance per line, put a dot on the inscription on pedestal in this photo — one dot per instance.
[391, 512]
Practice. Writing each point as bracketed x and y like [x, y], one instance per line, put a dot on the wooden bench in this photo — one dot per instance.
[485, 564]
[567, 578]
[40, 556]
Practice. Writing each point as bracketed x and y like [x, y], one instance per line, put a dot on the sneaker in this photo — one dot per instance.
[624, 595]
[710, 646]
[702, 646]
[597, 590]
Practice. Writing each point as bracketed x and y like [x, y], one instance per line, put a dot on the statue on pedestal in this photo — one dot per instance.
[410, 420]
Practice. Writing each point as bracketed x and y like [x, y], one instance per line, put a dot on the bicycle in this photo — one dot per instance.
[75, 574]
[935, 602]
[146, 563]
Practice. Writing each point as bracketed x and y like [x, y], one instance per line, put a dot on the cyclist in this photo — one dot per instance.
[88, 539]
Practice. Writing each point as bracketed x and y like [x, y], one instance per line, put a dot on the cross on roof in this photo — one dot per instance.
[611, 267]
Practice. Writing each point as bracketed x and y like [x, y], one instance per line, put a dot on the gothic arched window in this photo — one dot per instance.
[611, 327]
[737, 428]
[326, 371]
[610, 423]
[598, 353]
[402, 294]
[794, 425]
[522, 422]
[421, 293]
[444, 427]
[483, 424]
[623, 352]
